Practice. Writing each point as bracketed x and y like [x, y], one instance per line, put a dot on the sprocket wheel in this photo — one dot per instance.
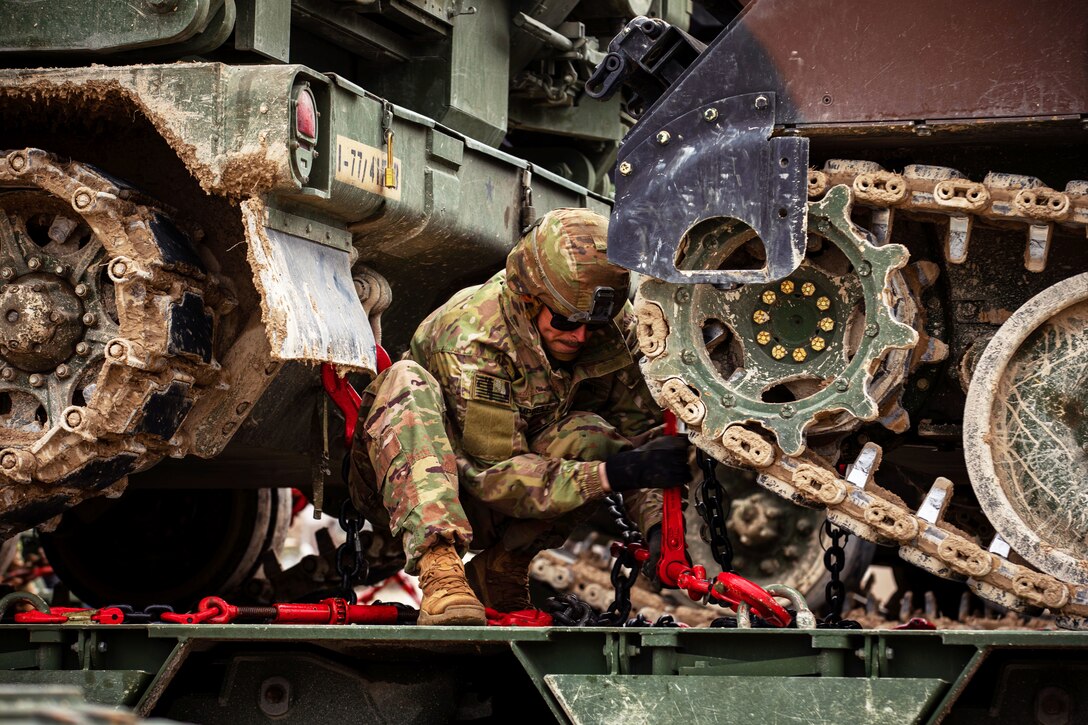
[105, 335]
[817, 352]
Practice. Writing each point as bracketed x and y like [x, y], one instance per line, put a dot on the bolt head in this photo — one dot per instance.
[689, 357]
[63, 371]
[34, 263]
[82, 199]
[36, 380]
[116, 350]
[7, 374]
[728, 401]
[82, 348]
[17, 162]
[762, 102]
[81, 290]
[73, 418]
[58, 270]
[787, 411]
[119, 269]
[865, 269]
[663, 137]
[89, 319]
[872, 329]
[842, 385]
[625, 168]
[711, 114]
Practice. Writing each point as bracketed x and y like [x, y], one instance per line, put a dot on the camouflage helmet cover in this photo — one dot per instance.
[562, 261]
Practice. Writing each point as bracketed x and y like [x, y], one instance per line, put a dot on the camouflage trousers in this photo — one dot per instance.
[405, 471]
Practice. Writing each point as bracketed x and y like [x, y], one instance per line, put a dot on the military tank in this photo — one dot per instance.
[205, 200]
[865, 270]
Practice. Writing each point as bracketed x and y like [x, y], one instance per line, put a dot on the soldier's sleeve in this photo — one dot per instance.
[497, 465]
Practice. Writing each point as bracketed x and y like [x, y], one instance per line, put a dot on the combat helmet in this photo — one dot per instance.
[562, 261]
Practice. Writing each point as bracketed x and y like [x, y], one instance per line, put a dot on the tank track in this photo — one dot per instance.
[738, 428]
[108, 335]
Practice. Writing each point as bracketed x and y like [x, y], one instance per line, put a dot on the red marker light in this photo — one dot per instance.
[305, 115]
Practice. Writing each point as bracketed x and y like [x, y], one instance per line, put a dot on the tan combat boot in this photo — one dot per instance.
[501, 578]
[447, 597]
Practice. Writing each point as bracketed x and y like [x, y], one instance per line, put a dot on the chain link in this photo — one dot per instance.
[351, 563]
[835, 590]
[711, 503]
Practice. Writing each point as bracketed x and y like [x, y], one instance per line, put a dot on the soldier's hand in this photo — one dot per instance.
[661, 463]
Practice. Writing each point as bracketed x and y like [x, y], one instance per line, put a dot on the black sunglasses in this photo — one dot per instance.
[565, 324]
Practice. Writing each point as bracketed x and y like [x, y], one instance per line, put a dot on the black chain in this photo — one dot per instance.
[711, 502]
[835, 590]
[351, 563]
[618, 611]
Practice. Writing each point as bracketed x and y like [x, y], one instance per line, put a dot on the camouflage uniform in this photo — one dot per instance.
[476, 437]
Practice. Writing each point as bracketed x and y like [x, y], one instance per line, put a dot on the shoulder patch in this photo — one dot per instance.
[487, 387]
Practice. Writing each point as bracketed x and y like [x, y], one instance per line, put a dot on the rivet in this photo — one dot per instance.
[842, 385]
[89, 319]
[55, 316]
[17, 162]
[63, 371]
[242, 408]
[787, 411]
[7, 373]
[36, 381]
[728, 401]
[34, 263]
[683, 295]
[761, 102]
[82, 348]
[663, 137]
[73, 418]
[688, 356]
[823, 225]
[116, 350]
[872, 329]
[711, 114]
[865, 269]
[81, 290]
[7, 272]
[625, 168]
[228, 427]
[119, 269]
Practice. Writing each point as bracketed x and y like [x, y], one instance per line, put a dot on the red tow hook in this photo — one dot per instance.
[345, 397]
[674, 570]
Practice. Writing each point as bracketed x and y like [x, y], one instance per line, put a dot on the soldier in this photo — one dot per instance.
[518, 403]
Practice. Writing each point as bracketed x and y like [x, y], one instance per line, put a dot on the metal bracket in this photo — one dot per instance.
[715, 162]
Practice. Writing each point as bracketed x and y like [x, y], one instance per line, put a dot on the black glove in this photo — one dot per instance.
[661, 463]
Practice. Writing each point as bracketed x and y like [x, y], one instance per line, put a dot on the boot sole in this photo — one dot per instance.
[460, 615]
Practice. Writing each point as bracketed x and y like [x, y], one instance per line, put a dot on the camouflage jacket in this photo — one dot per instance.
[500, 389]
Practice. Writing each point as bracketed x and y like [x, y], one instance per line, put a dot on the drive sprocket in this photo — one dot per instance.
[818, 352]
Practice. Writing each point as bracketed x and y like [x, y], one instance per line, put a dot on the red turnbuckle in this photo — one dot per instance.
[214, 610]
[674, 570]
[346, 398]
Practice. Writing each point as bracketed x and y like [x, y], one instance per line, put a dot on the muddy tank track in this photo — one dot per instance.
[107, 324]
[773, 377]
